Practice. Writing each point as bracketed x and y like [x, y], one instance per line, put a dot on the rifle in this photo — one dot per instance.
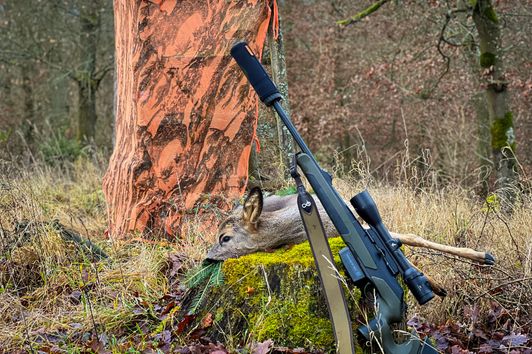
[372, 258]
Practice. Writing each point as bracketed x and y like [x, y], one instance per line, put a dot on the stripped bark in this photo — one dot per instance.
[185, 114]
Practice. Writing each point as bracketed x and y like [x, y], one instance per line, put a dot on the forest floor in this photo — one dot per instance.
[58, 296]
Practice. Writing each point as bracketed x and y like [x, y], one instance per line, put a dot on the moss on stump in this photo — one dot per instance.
[274, 296]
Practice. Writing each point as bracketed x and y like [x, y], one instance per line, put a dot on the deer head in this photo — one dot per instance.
[260, 224]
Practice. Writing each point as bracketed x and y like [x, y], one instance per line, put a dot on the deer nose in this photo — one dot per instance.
[214, 255]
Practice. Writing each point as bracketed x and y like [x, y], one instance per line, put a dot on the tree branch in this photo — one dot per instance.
[359, 16]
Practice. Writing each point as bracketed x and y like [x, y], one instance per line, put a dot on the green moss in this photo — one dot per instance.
[489, 13]
[296, 322]
[487, 59]
[298, 255]
[278, 296]
[502, 134]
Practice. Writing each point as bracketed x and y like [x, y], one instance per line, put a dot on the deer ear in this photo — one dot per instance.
[252, 207]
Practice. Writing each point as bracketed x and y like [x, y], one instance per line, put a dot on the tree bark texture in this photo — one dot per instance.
[270, 167]
[185, 114]
[501, 118]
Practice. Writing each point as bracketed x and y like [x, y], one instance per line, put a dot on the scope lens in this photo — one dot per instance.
[365, 207]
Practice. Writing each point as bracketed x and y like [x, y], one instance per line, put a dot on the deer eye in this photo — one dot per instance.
[224, 238]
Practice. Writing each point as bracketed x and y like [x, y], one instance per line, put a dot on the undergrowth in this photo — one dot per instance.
[56, 296]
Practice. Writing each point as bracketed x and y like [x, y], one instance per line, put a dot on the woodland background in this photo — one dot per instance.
[374, 100]
[374, 94]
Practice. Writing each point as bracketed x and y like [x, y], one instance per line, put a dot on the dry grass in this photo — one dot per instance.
[455, 218]
[54, 294]
[52, 291]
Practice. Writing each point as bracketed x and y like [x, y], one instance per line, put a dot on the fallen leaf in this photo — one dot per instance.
[168, 307]
[262, 348]
[184, 323]
[515, 340]
[84, 275]
[75, 297]
[197, 333]
[485, 349]
[97, 346]
[176, 263]
[206, 322]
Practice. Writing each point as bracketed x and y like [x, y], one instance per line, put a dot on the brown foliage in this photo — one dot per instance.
[375, 92]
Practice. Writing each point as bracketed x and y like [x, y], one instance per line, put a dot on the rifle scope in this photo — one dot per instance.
[367, 209]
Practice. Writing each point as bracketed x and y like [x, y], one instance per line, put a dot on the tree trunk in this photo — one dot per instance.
[280, 77]
[185, 113]
[270, 167]
[29, 102]
[85, 76]
[484, 145]
[58, 98]
[478, 101]
[502, 128]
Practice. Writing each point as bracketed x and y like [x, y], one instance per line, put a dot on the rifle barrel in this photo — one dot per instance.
[292, 129]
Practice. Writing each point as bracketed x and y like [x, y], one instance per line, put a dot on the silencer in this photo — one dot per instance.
[257, 76]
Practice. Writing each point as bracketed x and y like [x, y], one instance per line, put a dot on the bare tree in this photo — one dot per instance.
[503, 140]
[491, 75]
[61, 57]
[86, 75]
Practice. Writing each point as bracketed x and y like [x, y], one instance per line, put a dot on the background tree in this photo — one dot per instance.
[86, 75]
[503, 140]
[271, 157]
[48, 59]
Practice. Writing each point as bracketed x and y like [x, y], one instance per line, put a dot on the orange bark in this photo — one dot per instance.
[185, 115]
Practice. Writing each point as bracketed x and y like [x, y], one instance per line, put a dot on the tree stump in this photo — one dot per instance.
[275, 296]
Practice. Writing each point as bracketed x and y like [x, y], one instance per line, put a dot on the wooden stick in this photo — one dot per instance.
[417, 241]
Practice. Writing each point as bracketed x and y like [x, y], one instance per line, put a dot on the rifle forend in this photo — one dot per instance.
[371, 257]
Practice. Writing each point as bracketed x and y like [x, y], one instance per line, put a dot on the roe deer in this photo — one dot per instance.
[267, 223]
